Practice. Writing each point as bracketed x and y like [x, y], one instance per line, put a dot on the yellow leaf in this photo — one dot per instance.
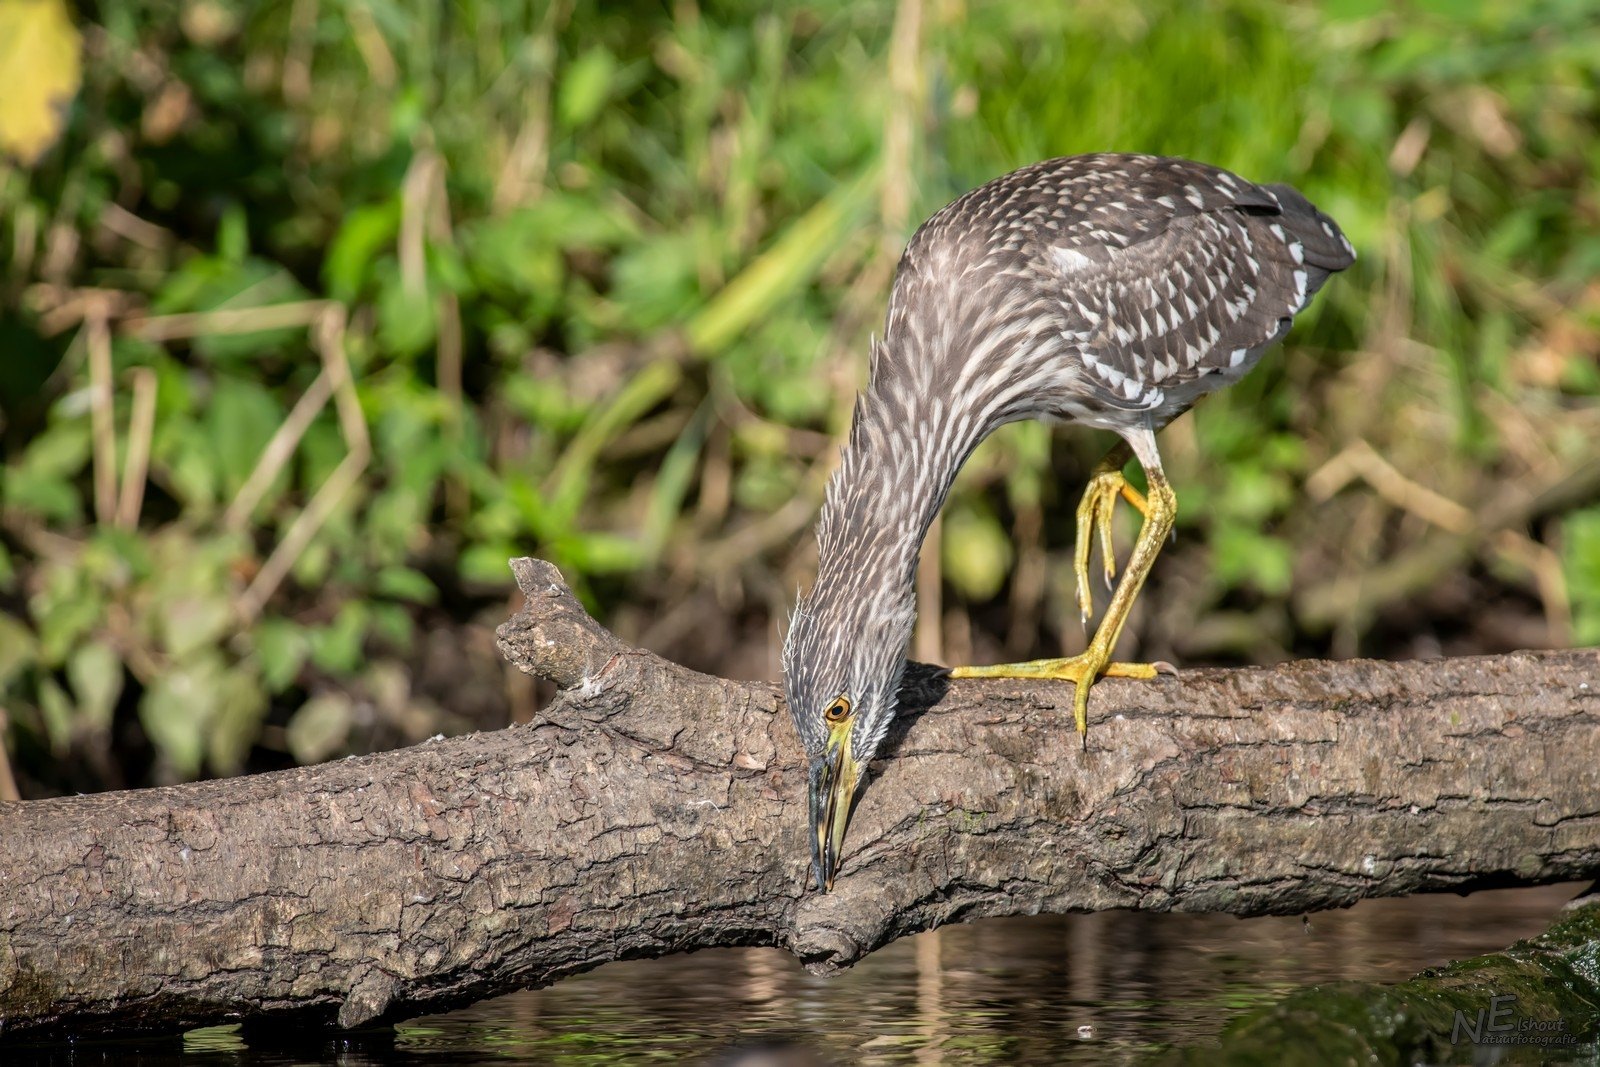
[40, 68]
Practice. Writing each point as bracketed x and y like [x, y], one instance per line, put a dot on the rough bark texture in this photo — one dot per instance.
[654, 810]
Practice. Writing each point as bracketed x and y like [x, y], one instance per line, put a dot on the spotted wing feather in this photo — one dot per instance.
[1172, 276]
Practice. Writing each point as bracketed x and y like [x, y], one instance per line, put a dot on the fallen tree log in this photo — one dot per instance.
[654, 810]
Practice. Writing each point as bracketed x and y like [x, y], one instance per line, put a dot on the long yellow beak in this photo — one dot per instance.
[833, 794]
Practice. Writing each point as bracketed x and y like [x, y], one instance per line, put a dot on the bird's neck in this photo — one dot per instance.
[902, 456]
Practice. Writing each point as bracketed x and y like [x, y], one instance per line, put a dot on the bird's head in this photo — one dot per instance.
[842, 662]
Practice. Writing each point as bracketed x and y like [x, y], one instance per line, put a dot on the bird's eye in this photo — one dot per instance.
[839, 710]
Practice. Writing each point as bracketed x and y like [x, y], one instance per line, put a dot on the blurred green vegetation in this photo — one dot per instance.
[318, 312]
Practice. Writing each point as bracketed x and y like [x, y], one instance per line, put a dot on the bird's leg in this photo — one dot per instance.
[1160, 511]
[1095, 510]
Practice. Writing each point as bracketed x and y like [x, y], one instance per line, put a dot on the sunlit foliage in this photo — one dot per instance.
[318, 312]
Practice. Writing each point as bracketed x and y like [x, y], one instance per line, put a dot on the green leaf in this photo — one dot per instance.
[336, 648]
[392, 624]
[321, 450]
[447, 269]
[19, 649]
[394, 520]
[407, 323]
[241, 419]
[313, 564]
[605, 553]
[192, 622]
[672, 483]
[489, 564]
[765, 484]
[64, 610]
[233, 234]
[365, 233]
[189, 467]
[403, 583]
[1580, 559]
[1255, 494]
[41, 483]
[585, 86]
[95, 672]
[281, 648]
[976, 554]
[55, 708]
[117, 559]
[517, 262]
[1243, 556]
[241, 706]
[178, 708]
[320, 728]
[654, 281]
[62, 450]
[215, 283]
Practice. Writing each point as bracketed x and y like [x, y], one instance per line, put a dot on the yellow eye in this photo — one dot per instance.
[839, 710]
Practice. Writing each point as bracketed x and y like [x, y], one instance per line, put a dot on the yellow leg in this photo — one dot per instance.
[1095, 511]
[1160, 511]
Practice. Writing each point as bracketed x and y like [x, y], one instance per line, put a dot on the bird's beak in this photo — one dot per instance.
[833, 793]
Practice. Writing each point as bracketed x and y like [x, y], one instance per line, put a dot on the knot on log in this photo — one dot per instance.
[552, 636]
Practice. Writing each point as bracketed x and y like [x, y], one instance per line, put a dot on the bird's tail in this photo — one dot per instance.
[1326, 246]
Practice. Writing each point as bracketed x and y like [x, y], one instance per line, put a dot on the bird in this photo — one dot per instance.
[1109, 290]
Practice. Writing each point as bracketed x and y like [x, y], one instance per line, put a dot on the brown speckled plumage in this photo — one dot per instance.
[1109, 290]
[1140, 282]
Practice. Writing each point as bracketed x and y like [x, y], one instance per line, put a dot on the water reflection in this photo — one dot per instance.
[1105, 988]
[1013, 991]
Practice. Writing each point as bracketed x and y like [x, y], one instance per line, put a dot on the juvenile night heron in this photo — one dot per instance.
[1108, 290]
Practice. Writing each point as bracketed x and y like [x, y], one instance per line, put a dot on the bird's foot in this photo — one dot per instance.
[1095, 510]
[1081, 670]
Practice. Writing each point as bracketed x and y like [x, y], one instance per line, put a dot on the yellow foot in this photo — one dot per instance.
[1094, 515]
[1082, 670]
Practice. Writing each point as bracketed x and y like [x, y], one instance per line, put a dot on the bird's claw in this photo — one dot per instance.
[1082, 670]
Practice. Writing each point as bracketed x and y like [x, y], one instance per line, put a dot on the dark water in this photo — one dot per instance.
[1105, 988]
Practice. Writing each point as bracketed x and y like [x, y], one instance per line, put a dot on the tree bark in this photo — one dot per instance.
[654, 810]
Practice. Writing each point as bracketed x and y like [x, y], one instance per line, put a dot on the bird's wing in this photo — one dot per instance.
[1170, 271]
